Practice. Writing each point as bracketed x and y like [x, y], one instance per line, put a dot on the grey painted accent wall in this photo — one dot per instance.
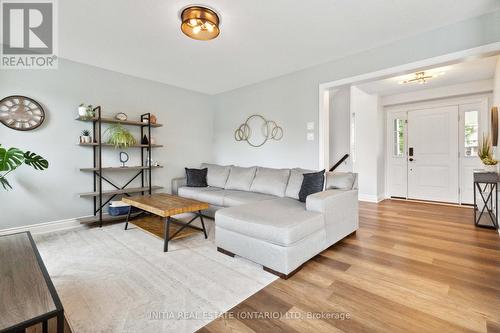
[292, 100]
[52, 194]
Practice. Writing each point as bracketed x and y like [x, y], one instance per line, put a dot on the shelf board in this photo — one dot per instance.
[105, 218]
[125, 190]
[108, 120]
[92, 144]
[121, 168]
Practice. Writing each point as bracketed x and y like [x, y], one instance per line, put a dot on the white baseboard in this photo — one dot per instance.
[370, 198]
[42, 228]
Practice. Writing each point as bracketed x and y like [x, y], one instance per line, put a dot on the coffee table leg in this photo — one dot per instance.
[202, 223]
[60, 322]
[128, 217]
[166, 233]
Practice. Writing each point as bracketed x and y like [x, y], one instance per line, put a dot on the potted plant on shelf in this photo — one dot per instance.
[119, 136]
[85, 136]
[12, 158]
[485, 153]
[86, 112]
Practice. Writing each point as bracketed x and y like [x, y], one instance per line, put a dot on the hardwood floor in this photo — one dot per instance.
[411, 267]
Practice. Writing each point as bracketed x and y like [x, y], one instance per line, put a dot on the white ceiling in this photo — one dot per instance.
[474, 70]
[259, 39]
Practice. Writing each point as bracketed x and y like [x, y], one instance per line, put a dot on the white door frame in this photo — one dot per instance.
[448, 59]
[484, 124]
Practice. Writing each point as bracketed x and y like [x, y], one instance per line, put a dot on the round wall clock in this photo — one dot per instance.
[21, 113]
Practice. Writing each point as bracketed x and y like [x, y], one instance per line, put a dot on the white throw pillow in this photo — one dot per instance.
[295, 182]
[217, 174]
[270, 181]
[240, 178]
[340, 180]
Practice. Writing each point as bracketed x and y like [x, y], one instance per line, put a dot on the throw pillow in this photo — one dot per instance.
[312, 183]
[196, 177]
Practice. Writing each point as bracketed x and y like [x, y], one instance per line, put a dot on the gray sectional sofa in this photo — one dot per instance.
[258, 215]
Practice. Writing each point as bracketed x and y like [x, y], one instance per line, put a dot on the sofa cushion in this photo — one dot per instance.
[211, 195]
[295, 182]
[340, 180]
[237, 198]
[281, 221]
[240, 178]
[217, 174]
[196, 177]
[270, 181]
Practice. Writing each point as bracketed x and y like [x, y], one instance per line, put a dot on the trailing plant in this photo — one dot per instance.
[12, 158]
[119, 136]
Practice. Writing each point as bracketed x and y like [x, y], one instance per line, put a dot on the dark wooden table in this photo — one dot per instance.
[27, 295]
[166, 205]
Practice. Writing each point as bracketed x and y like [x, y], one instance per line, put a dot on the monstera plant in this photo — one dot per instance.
[12, 158]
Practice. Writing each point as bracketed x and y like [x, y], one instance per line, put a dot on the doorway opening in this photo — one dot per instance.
[411, 139]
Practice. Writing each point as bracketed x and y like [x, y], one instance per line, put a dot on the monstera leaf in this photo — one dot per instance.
[10, 159]
[35, 161]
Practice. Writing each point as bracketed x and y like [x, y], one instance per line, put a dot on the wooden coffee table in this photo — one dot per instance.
[166, 205]
[28, 296]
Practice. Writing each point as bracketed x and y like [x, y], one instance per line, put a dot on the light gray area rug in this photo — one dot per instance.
[111, 280]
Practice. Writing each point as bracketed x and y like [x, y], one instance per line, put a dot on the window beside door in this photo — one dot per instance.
[471, 133]
[398, 138]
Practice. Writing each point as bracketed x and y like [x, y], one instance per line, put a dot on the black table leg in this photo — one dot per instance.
[60, 322]
[202, 223]
[128, 217]
[166, 233]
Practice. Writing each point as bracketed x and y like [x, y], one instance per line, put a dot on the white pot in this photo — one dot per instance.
[85, 139]
[82, 111]
[490, 168]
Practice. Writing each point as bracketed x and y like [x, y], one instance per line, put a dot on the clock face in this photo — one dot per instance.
[21, 113]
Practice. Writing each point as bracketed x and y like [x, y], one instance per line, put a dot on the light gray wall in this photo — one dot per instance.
[292, 100]
[340, 114]
[52, 194]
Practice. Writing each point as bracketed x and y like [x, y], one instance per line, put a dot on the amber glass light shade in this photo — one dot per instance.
[200, 23]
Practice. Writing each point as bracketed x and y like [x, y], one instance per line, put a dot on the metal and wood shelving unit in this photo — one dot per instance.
[144, 170]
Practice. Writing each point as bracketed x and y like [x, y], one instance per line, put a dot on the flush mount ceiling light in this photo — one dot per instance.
[200, 23]
[421, 78]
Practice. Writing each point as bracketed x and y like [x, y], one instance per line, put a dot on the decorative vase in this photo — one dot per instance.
[145, 140]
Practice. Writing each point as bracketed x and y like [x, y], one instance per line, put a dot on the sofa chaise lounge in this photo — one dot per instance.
[258, 215]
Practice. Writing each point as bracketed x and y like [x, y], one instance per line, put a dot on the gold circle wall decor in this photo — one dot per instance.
[21, 113]
[269, 130]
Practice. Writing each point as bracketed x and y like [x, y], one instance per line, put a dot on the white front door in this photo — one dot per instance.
[433, 154]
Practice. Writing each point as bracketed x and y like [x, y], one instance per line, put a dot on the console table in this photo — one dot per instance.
[486, 185]
[27, 294]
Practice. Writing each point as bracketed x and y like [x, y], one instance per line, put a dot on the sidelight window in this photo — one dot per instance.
[471, 133]
[399, 137]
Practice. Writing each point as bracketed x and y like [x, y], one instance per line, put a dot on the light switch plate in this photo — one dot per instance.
[310, 136]
[310, 126]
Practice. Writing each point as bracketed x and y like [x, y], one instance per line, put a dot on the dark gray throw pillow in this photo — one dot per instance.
[312, 183]
[196, 177]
